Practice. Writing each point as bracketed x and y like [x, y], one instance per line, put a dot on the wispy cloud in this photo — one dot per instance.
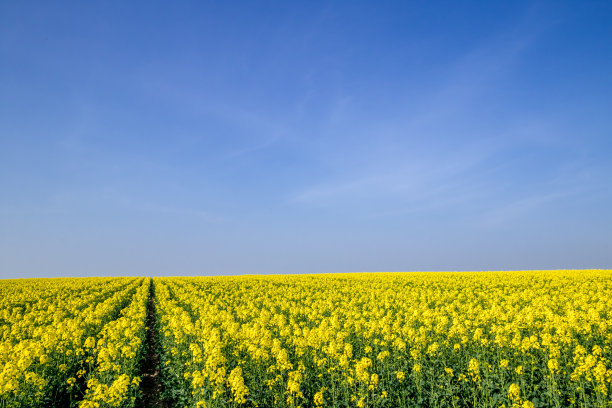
[424, 181]
[424, 152]
[511, 211]
[245, 128]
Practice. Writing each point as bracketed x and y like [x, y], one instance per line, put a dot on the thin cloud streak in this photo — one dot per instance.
[512, 211]
[471, 75]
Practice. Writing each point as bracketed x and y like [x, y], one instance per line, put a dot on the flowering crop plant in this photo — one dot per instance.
[448, 339]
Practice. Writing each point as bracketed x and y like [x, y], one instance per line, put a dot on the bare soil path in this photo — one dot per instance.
[151, 385]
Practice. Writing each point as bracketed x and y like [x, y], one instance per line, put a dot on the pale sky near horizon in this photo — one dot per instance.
[205, 138]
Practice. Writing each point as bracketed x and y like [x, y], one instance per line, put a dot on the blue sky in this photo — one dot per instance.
[204, 138]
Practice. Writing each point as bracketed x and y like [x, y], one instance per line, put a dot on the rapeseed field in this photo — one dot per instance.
[477, 339]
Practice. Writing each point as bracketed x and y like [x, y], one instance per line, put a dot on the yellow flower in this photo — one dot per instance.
[382, 355]
[318, 397]
[236, 383]
[90, 343]
[553, 365]
[514, 392]
[474, 370]
[361, 369]
[373, 381]
[433, 348]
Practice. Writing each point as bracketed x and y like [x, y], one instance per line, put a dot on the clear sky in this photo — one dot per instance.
[184, 138]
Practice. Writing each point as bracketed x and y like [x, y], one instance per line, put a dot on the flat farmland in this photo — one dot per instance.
[445, 339]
